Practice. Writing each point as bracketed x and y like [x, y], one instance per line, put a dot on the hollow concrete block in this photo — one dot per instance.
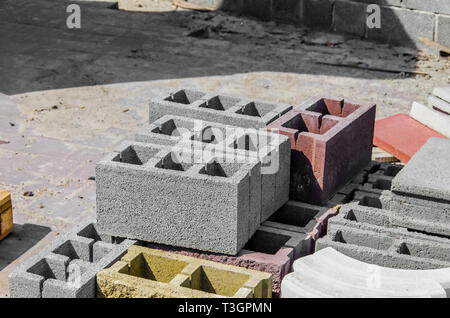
[145, 272]
[331, 141]
[216, 107]
[67, 267]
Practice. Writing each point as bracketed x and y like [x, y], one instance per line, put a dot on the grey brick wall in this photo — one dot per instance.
[402, 21]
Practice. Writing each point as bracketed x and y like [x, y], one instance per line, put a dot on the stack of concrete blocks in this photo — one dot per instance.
[6, 216]
[437, 114]
[331, 142]
[228, 142]
[401, 217]
[149, 273]
[192, 181]
[67, 268]
[328, 273]
[288, 234]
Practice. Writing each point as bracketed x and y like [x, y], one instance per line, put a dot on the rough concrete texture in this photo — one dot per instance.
[331, 141]
[443, 29]
[216, 107]
[6, 215]
[370, 235]
[414, 24]
[145, 272]
[329, 273]
[209, 138]
[151, 194]
[270, 250]
[425, 180]
[402, 136]
[68, 266]
[436, 120]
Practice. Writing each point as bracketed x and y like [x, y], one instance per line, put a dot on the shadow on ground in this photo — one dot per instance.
[39, 52]
[22, 238]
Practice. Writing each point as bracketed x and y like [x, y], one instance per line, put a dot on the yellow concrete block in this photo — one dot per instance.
[5, 197]
[6, 223]
[147, 273]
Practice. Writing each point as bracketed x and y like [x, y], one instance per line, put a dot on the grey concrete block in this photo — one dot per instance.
[402, 26]
[386, 247]
[317, 13]
[350, 17]
[209, 138]
[67, 267]
[215, 107]
[274, 152]
[407, 213]
[442, 31]
[161, 199]
[423, 179]
[436, 6]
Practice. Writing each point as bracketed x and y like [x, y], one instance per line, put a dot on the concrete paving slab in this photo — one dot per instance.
[402, 135]
[436, 120]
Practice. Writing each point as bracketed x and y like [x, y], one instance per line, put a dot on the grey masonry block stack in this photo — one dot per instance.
[400, 216]
[201, 174]
[67, 268]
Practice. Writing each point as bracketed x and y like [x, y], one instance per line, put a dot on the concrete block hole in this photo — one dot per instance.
[266, 242]
[185, 96]
[255, 109]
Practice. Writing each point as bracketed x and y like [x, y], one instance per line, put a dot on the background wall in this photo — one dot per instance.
[402, 21]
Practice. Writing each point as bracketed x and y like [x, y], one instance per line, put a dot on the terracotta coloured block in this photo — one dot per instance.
[402, 136]
[331, 140]
[145, 272]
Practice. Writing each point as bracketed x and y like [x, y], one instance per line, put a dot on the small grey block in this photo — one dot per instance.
[67, 267]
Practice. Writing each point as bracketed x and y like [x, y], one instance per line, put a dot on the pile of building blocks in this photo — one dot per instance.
[398, 217]
[437, 114]
[6, 216]
[195, 207]
[331, 141]
[328, 273]
[162, 274]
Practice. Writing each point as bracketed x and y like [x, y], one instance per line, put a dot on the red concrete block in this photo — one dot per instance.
[402, 136]
[331, 140]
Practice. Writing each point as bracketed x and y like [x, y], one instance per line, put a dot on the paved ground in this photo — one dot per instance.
[52, 139]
